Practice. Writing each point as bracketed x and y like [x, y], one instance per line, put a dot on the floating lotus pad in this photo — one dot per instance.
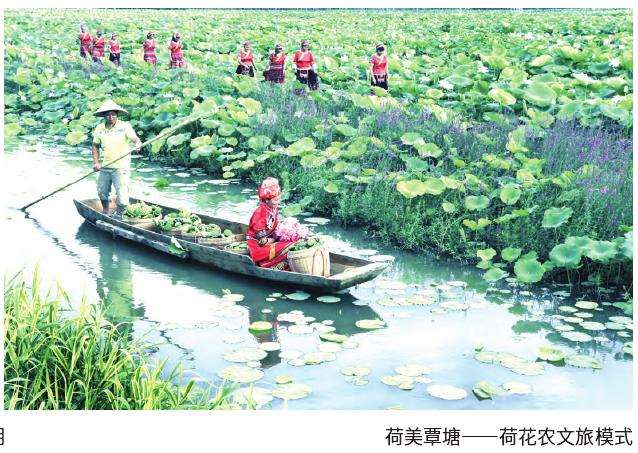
[568, 309]
[563, 327]
[356, 380]
[328, 299]
[391, 285]
[297, 362]
[252, 396]
[586, 304]
[350, 344]
[298, 295]
[621, 320]
[355, 371]
[315, 358]
[486, 390]
[253, 364]
[592, 325]
[283, 379]
[245, 355]
[446, 392]
[290, 354]
[317, 220]
[573, 319]
[583, 361]
[517, 388]
[241, 374]
[396, 380]
[550, 354]
[292, 391]
[422, 380]
[334, 337]
[615, 326]
[583, 314]
[270, 346]
[260, 326]
[233, 297]
[370, 324]
[412, 370]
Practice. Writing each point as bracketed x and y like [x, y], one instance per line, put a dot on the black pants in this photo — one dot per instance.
[115, 58]
[243, 70]
[310, 79]
[381, 82]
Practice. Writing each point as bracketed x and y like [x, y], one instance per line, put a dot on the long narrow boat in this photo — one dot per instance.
[345, 271]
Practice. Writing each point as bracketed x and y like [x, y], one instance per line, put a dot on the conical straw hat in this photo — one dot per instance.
[107, 107]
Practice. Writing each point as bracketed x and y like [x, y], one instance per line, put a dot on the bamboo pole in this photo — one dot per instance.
[146, 143]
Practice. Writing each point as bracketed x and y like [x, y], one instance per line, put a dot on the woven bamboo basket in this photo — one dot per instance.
[312, 261]
[142, 223]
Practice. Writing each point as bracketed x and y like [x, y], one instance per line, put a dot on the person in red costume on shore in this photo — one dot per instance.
[149, 49]
[379, 68]
[275, 70]
[177, 57]
[85, 40]
[263, 247]
[305, 66]
[246, 61]
[97, 52]
[114, 50]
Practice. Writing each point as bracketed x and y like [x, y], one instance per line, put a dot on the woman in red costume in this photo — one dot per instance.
[246, 61]
[114, 50]
[149, 49]
[177, 57]
[85, 42]
[275, 70]
[98, 47]
[263, 246]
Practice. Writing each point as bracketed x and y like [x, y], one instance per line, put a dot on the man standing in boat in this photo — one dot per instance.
[112, 149]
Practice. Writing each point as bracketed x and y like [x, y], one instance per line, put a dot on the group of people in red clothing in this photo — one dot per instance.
[303, 59]
[94, 46]
[305, 66]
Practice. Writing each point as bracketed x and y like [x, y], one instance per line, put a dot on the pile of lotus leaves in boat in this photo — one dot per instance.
[535, 66]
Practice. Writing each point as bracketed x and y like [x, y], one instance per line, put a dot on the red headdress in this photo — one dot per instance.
[269, 189]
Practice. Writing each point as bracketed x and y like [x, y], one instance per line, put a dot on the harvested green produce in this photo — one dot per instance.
[302, 244]
[237, 247]
[142, 210]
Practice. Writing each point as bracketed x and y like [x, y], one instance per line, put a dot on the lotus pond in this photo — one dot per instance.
[426, 334]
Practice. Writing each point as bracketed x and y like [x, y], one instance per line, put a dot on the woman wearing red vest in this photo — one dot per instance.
[379, 68]
[305, 66]
[275, 70]
[149, 49]
[177, 57]
[114, 50]
[246, 59]
[85, 40]
[98, 47]
[263, 247]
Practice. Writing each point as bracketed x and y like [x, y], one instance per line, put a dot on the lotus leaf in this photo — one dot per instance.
[446, 392]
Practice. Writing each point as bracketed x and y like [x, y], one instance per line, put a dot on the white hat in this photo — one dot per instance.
[109, 106]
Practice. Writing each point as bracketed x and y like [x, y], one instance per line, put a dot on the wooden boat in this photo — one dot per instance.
[345, 271]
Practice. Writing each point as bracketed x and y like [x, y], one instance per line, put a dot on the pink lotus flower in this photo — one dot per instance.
[290, 230]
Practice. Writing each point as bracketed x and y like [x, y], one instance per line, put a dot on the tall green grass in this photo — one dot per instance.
[61, 359]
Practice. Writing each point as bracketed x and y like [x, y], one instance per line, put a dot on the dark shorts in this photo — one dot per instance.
[381, 82]
[115, 58]
[243, 70]
[275, 75]
[308, 77]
